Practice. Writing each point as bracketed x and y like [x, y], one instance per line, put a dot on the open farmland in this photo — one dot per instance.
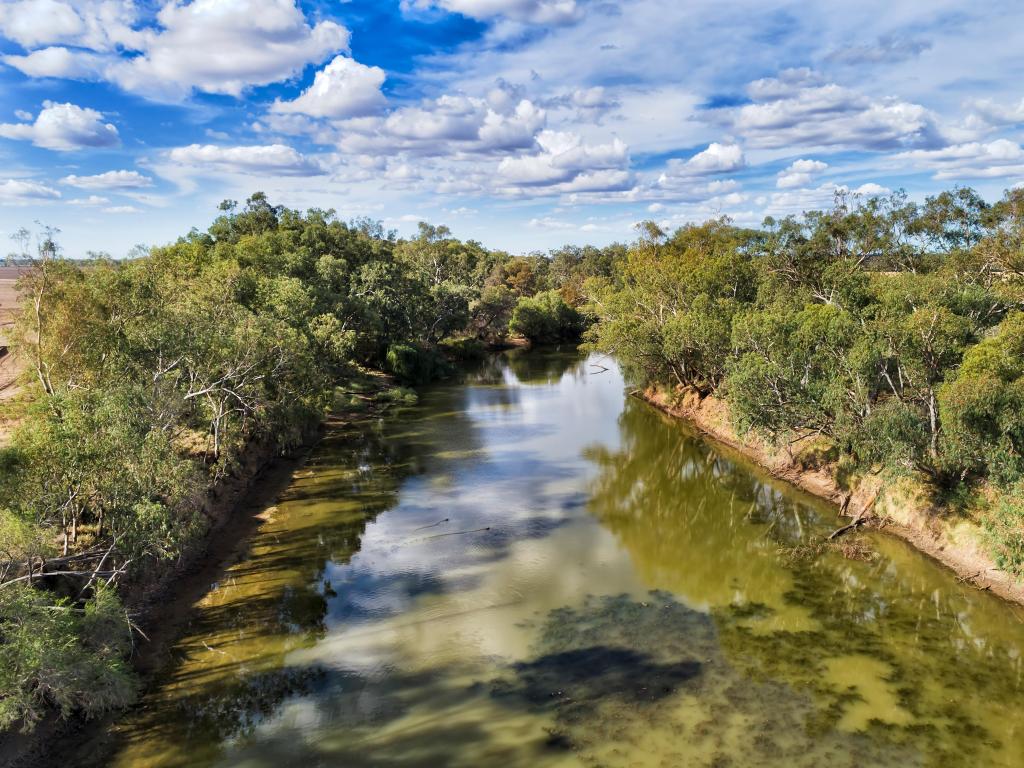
[8, 305]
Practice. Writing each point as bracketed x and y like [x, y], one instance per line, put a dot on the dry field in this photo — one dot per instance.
[8, 299]
[9, 368]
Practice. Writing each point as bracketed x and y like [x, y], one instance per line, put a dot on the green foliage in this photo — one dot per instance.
[399, 396]
[982, 406]
[668, 314]
[464, 349]
[415, 364]
[490, 314]
[1005, 528]
[56, 654]
[546, 319]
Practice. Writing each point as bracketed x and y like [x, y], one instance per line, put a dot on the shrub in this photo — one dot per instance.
[54, 654]
[546, 319]
[416, 365]
[1004, 526]
[464, 349]
[400, 396]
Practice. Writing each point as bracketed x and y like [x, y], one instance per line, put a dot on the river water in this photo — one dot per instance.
[529, 568]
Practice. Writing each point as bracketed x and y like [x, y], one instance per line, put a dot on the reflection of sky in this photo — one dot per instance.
[524, 477]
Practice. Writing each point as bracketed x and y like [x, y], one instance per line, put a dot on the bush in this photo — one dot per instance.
[54, 654]
[464, 349]
[546, 319]
[413, 364]
[1004, 526]
[982, 407]
[400, 396]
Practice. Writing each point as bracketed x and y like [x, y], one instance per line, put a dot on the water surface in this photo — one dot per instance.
[531, 569]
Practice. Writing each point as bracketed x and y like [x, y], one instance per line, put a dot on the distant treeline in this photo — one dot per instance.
[886, 334]
[147, 378]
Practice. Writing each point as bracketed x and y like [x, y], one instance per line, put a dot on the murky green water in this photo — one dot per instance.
[531, 569]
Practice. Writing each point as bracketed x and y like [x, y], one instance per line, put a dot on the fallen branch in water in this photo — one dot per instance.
[432, 525]
[859, 520]
[455, 533]
[846, 528]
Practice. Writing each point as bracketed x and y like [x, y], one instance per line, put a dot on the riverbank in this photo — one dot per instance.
[902, 509]
[162, 602]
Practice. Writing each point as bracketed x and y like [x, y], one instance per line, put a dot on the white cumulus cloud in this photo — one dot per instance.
[800, 174]
[57, 61]
[226, 46]
[278, 159]
[20, 191]
[795, 110]
[994, 159]
[109, 180]
[64, 127]
[564, 159]
[31, 22]
[717, 158]
[445, 126]
[216, 46]
[344, 88]
[98, 25]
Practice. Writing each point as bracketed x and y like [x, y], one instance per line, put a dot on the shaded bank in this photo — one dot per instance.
[901, 508]
[162, 599]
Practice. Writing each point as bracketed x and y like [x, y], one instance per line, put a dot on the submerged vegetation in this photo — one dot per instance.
[882, 335]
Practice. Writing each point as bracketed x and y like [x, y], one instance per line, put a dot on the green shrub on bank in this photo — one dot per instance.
[400, 396]
[1004, 526]
[54, 653]
[414, 364]
[546, 319]
[464, 350]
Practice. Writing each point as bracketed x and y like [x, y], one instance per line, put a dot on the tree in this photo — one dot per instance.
[546, 319]
[672, 315]
[982, 406]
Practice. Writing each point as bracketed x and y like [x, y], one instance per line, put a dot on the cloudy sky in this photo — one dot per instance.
[524, 124]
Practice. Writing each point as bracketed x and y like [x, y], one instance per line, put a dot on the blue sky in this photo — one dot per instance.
[525, 124]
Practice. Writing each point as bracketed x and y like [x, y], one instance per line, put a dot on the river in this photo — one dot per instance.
[530, 568]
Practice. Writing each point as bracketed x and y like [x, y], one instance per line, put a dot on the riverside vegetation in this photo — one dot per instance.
[884, 335]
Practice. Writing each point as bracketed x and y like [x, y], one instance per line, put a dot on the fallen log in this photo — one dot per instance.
[858, 521]
[846, 528]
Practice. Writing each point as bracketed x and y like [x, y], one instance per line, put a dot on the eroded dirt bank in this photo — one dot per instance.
[902, 508]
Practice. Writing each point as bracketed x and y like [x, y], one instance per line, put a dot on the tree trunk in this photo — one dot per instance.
[933, 416]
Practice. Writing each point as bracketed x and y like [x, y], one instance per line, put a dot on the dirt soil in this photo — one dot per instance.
[902, 508]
